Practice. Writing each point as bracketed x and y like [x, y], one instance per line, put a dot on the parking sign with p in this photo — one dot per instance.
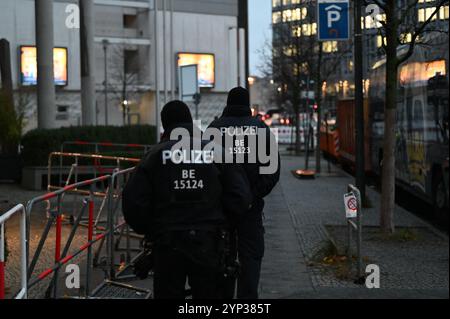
[333, 20]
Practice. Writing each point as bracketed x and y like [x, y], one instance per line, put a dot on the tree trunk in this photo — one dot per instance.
[298, 145]
[388, 168]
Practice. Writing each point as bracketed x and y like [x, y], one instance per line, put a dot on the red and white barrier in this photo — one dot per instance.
[22, 294]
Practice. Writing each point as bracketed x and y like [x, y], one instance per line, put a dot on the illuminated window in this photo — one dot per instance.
[276, 17]
[406, 37]
[309, 29]
[289, 50]
[296, 14]
[276, 3]
[443, 13]
[330, 46]
[425, 13]
[287, 15]
[371, 23]
[380, 40]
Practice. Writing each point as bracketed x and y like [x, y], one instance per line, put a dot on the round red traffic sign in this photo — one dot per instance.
[352, 204]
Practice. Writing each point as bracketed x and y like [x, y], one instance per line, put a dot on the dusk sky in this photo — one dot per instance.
[260, 13]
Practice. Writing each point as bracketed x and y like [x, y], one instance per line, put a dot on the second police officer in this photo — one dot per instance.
[238, 124]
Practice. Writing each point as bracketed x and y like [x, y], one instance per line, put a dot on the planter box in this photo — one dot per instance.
[11, 168]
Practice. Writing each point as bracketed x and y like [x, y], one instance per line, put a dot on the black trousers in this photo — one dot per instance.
[187, 255]
[250, 233]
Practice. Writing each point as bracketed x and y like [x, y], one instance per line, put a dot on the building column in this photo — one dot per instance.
[45, 80]
[87, 48]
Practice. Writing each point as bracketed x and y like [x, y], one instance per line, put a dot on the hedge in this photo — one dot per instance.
[38, 144]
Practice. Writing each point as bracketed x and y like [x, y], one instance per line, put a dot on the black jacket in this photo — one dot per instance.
[163, 196]
[261, 184]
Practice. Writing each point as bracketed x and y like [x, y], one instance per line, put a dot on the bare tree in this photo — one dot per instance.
[124, 77]
[396, 24]
[299, 60]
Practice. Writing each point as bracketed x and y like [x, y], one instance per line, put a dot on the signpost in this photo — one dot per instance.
[189, 88]
[333, 20]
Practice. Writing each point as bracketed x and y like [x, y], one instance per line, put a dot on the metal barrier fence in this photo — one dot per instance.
[22, 294]
[115, 195]
[62, 257]
[96, 150]
[355, 226]
[95, 234]
[74, 168]
[97, 145]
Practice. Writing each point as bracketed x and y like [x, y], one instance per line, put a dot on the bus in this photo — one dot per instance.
[422, 132]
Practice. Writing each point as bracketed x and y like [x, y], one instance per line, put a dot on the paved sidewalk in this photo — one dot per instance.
[298, 214]
[300, 217]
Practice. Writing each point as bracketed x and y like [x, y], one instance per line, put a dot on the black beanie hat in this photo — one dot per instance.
[238, 97]
[175, 112]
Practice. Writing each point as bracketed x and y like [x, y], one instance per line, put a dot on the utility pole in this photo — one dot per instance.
[105, 50]
[319, 107]
[45, 79]
[164, 51]
[172, 54]
[156, 42]
[359, 102]
[87, 62]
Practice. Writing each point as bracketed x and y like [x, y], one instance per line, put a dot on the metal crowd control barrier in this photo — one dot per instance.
[74, 170]
[97, 145]
[22, 294]
[96, 149]
[355, 226]
[115, 195]
[95, 234]
[62, 258]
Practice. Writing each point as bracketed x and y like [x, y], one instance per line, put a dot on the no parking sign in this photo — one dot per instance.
[351, 205]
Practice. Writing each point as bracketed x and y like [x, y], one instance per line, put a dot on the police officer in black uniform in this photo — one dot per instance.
[237, 120]
[178, 197]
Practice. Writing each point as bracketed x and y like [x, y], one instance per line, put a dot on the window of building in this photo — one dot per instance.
[62, 112]
[330, 46]
[130, 21]
[443, 13]
[406, 37]
[425, 13]
[380, 40]
[276, 3]
[287, 15]
[276, 17]
[131, 61]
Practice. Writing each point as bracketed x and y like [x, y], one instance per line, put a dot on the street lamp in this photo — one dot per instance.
[125, 111]
[105, 50]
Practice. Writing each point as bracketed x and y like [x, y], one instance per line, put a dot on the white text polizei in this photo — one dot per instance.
[239, 130]
[188, 157]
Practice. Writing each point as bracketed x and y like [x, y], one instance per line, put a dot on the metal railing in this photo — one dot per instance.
[74, 168]
[114, 198]
[63, 253]
[97, 145]
[22, 294]
[355, 225]
[61, 257]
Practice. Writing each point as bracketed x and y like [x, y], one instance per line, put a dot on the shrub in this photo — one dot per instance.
[10, 125]
[38, 144]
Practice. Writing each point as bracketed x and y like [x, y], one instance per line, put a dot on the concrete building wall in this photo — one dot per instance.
[199, 27]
